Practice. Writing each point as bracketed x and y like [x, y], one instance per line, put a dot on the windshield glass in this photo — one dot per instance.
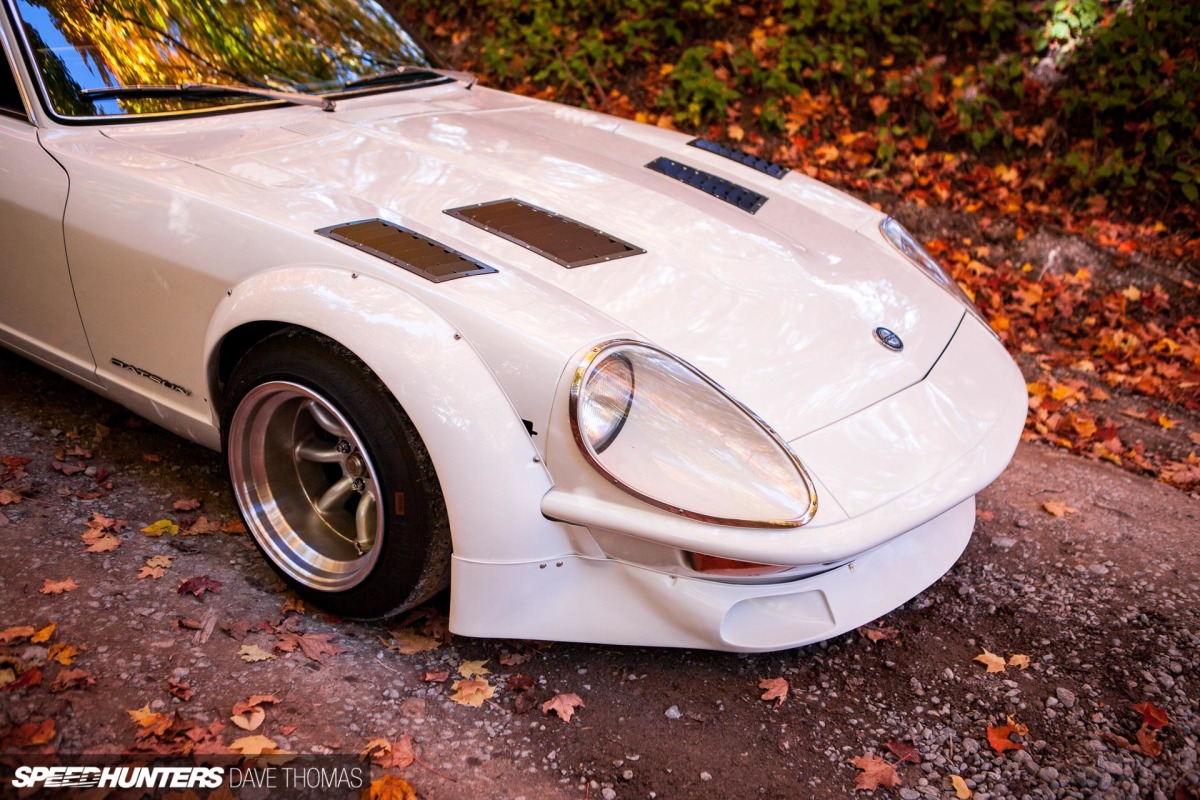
[312, 48]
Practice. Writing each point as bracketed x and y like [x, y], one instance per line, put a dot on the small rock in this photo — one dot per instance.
[1004, 542]
[673, 713]
[1047, 774]
[1098, 569]
[608, 794]
[1065, 696]
[706, 776]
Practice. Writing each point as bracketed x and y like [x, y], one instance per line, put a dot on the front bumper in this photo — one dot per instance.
[601, 600]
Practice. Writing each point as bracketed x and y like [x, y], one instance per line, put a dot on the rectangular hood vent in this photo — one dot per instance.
[406, 249]
[754, 162]
[746, 199]
[560, 239]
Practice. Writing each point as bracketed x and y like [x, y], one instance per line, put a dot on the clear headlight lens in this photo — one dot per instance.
[664, 432]
[915, 252]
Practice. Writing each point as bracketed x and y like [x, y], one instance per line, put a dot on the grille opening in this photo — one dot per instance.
[763, 165]
[406, 249]
[562, 240]
[747, 200]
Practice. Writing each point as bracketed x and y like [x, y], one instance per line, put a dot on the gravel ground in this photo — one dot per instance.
[1104, 601]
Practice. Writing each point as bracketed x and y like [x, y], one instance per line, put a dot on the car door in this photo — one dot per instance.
[38, 313]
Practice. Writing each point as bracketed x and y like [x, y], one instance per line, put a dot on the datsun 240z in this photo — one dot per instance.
[606, 381]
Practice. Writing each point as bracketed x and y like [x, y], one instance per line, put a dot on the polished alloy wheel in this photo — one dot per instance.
[306, 485]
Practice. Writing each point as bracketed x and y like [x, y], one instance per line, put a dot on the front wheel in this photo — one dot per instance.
[332, 479]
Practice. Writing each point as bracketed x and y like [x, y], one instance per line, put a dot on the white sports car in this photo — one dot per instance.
[608, 382]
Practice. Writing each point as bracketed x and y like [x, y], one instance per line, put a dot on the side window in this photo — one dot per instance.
[10, 96]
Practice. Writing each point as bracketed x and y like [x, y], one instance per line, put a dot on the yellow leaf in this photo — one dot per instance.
[250, 719]
[993, 662]
[1132, 293]
[104, 544]
[473, 669]
[390, 787]
[960, 788]
[252, 652]
[58, 587]
[827, 153]
[44, 634]
[736, 132]
[472, 692]
[161, 527]
[63, 653]
[1165, 422]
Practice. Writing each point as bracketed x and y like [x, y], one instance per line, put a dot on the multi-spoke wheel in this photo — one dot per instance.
[332, 479]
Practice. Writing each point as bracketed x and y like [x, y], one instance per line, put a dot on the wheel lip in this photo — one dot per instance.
[246, 459]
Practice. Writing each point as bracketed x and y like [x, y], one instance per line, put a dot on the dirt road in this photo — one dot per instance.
[1103, 601]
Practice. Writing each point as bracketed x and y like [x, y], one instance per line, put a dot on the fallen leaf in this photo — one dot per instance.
[63, 653]
[519, 683]
[313, 645]
[432, 676]
[104, 544]
[71, 679]
[252, 652]
[249, 718]
[881, 633]
[160, 527]
[473, 669]
[961, 791]
[31, 734]
[776, 689]
[472, 692]
[16, 633]
[879, 105]
[993, 662]
[254, 746]
[390, 755]
[44, 634]
[1058, 509]
[30, 677]
[151, 722]
[564, 705]
[905, 751]
[1018, 660]
[9, 497]
[514, 659]
[390, 787]
[58, 587]
[1148, 741]
[408, 642]
[999, 736]
[201, 526]
[186, 505]
[69, 469]
[1152, 715]
[233, 526]
[293, 605]
[150, 572]
[179, 689]
[875, 773]
[199, 585]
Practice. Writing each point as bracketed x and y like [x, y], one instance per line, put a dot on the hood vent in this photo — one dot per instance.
[560, 239]
[754, 162]
[406, 249]
[746, 199]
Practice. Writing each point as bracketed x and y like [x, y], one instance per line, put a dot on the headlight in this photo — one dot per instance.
[915, 252]
[663, 431]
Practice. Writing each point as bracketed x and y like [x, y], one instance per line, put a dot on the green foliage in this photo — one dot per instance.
[1092, 96]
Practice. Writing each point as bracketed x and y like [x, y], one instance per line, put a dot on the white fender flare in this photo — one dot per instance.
[489, 470]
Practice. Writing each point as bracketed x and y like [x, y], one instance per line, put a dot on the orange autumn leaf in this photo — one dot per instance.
[44, 634]
[1152, 715]
[388, 754]
[390, 787]
[776, 689]
[1148, 740]
[16, 633]
[58, 587]
[875, 773]
[961, 790]
[993, 662]
[998, 736]
[63, 653]
[564, 705]
[1018, 660]
[472, 692]
[1058, 509]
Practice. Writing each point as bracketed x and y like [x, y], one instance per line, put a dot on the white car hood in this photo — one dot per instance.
[780, 306]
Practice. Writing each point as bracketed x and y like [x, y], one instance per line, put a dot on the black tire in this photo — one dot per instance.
[332, 479]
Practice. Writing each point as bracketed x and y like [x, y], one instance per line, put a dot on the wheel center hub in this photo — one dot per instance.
[355, 466]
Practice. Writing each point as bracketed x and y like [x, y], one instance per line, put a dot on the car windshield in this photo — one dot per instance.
[83, 47]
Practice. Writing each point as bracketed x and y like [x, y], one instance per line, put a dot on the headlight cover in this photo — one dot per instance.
[662, 431]
[915, 252]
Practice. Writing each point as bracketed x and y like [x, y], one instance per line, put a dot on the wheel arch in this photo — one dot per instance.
[490, 473]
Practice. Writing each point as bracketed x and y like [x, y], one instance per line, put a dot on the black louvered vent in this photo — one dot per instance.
[560, 239]
[754, 162]
[406, 249]
[745, 199]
